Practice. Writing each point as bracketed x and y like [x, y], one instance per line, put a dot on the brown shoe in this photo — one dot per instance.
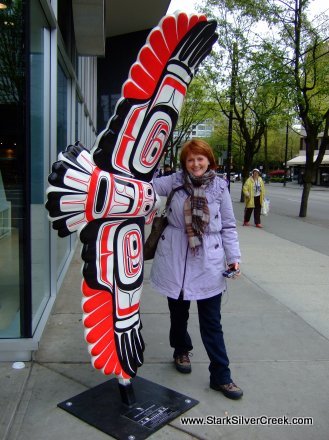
[246, 224]
[259, 225]
[229, 390]
[183, 363]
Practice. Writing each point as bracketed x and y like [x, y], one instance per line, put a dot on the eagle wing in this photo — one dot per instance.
[106, 195]
[146, 115]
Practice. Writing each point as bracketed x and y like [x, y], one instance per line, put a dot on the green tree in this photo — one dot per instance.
[304, 68]
[242, 77]
[196, 109]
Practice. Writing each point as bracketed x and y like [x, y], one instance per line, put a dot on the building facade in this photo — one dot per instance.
[203, 130]
[52, 58]
[297, 164]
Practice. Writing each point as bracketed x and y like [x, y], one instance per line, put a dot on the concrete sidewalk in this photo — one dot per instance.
[275, 320]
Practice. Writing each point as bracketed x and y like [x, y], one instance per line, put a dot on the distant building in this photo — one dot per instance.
[298, 163]
[203, 130]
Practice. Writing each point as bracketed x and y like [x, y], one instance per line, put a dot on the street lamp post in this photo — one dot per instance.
[286, 156]
[230, 119]
[229, 149]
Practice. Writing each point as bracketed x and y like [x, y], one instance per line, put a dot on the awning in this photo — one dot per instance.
[95, 20]
[300, 160]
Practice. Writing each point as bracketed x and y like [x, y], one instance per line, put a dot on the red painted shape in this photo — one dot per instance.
[151, 63]
[182, 25]
[159, 46]
[100, 346]
[170, 32]
[95, 301]
[98, 314]
[142, 78]
[102, 333]
[130, 90]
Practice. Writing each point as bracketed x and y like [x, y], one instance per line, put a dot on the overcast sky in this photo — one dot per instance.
[316, 6]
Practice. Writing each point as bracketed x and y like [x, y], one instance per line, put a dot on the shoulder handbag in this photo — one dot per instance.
[158, 226]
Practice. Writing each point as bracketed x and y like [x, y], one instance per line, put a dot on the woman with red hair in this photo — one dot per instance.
[198, 245]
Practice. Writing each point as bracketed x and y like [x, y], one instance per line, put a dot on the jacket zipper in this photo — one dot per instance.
[183, 282]
[182, 289]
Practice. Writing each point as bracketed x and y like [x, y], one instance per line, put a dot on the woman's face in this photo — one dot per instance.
[197, 164]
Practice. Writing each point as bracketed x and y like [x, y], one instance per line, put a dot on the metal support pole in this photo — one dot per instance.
[126, 391]
[229, 149]
[286, 156]
[230, 119]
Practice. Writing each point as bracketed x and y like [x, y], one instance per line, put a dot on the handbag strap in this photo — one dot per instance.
[169, 199]
[171, 195]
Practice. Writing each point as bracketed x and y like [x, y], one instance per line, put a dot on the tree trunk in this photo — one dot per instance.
[247, 164]
[172, 156]
[303, 205]
[175, 158]
[265, 152]
[165, 156]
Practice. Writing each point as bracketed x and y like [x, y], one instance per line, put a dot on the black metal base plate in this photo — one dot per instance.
[102, 407]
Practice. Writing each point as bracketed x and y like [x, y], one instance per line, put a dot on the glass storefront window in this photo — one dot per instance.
[12, 170]
[63, 244]
[26, 141]
[76, 128]
[39, 141]
[324, 176]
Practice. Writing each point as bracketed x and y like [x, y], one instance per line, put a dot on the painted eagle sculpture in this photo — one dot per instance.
[106, 194]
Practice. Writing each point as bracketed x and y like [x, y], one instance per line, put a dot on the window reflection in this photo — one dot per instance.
[12, 171]
[63, 244]
[39, 144]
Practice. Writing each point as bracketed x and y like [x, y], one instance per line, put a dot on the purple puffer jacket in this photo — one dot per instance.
[175, 267]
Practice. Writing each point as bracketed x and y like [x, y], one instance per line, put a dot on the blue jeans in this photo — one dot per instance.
[211, 334]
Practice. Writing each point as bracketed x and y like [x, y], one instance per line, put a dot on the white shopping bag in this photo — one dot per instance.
[266, 207]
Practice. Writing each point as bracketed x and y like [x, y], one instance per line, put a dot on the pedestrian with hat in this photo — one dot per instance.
[254, 194]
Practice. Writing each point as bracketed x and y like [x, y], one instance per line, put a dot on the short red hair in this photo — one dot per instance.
[197, 146]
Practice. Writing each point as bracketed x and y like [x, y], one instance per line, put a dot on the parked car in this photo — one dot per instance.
[276, 173]
[279, 174]
[234, 177]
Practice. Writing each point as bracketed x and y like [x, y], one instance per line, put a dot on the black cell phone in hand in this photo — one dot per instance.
[230, 273]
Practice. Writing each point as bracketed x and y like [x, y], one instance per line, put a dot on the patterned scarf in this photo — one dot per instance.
[196, 210]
